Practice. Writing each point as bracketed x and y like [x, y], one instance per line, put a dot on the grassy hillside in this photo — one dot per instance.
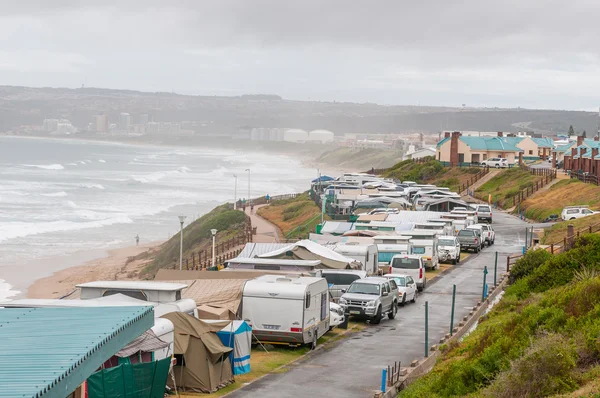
[505, 185]
[363, 159]
[291, 213]
[540, 340]
[559, 230]
[431, 172]
[563, 193]
[197, 236]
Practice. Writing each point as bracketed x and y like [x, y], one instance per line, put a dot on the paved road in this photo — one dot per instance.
[353, 367]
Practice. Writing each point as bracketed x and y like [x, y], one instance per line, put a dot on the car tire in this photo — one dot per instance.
[497, 166]
[403, 299]
[377, 319]
[414, 299]
[572, 218]
[454, 262]
[478, 249]
[392, 313]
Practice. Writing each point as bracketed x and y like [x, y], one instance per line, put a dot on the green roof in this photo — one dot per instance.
[442, 142]
[544, 142]
[491, 144]
[49, 352]
[564, 148]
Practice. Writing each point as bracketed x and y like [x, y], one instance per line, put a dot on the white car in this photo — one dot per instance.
[336, 315]
[487, 233]
[412, 265]
[495, 162]
[449, 249]
[407, 287]
[574, 212]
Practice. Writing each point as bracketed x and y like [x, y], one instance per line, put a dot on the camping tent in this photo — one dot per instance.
[237, 335]
[308, 250]
[202, 360]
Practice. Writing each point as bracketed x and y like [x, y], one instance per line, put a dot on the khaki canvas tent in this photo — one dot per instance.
[203, 363]
[308, 250]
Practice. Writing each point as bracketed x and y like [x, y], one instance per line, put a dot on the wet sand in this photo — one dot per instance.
[116, 266]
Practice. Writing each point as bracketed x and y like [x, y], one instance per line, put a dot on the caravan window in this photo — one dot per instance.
[137, 294]
[324, 306]
[340, 279]
[418, 250]
[307, 300]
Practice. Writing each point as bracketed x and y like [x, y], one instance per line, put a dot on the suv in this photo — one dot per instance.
[573, 212]
[483, 212]
[488, 236]
[412, 265]
[449, 249]
[470, 239]
[371, 298]
[495, 162]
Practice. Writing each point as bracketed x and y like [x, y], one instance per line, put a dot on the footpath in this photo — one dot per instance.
[266, 232]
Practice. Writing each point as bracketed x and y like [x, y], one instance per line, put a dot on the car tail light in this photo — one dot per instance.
[296, 330]
[420, 273]
[476, 240]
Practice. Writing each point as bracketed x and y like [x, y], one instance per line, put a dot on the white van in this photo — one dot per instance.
[366, 254]
[410, 265]
[286, 310]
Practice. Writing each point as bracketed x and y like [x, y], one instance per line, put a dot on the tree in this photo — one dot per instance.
[584, 134]
[571, 131]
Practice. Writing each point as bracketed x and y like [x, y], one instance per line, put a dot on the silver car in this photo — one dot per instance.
[371, 298]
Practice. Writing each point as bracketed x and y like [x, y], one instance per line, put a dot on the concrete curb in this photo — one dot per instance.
[422, 366]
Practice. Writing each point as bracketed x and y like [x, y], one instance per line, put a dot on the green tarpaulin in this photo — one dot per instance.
[141, 380]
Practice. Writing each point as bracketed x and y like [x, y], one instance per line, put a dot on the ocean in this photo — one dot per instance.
[63, 202]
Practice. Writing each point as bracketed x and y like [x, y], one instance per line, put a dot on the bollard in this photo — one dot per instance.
[495, 268]
[524, 250]
[383, 379]
[452, 311]
[426, 329]
[483, 290]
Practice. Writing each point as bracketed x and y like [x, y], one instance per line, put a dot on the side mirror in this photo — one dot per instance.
[343, 291]
[385, 294]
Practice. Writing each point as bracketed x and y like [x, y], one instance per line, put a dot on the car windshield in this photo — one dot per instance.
[484, 208]
[364, 288]
[466, 232]
[446, 242]
[400, 281]
[406, 263]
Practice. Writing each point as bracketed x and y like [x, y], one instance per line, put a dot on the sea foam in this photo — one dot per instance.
[46, 166]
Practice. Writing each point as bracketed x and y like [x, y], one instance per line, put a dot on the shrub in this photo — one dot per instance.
[544, 370]
[528, 263]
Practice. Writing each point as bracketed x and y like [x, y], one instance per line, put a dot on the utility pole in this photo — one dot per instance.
[181, 221]
[235, 193]
[249, 200]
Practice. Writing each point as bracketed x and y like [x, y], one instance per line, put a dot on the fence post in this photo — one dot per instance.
[495, 268]
[507, 263]
[552, 248]
[426, 329]
[452, 311]
[383, 379]
[570, 235]
[526, 235]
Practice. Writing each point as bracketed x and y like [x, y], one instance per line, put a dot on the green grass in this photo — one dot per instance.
[505, 185]
[197, 236]
[558, 231]
[541, 339]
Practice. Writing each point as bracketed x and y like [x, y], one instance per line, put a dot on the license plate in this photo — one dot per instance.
[354, 312]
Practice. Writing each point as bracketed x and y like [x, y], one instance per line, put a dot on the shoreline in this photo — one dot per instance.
[114, 266]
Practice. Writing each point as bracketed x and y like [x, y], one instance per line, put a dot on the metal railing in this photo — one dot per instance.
[546, 176]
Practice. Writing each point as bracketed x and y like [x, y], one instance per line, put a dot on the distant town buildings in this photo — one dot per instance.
[58, 126]
[144, 119]
[101, 125]
[289, 135]
[124, 121]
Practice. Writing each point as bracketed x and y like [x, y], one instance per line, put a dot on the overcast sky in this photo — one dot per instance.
[535, 54]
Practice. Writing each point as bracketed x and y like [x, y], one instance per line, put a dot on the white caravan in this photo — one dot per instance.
[366, 254]
[388, 251]
[155, 292]
[425, 244]
[286, 310]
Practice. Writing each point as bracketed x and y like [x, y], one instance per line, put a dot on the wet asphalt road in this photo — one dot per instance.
[353, 367]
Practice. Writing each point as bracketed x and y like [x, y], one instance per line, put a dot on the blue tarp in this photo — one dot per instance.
[323, 178]
[238, 335]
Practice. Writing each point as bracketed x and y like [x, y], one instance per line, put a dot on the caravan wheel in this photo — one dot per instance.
[313, 346]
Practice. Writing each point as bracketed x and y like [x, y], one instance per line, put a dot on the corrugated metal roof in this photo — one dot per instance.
[49, 352]
[256, 249]
[544, 142]
[442, 142]
[564, 148]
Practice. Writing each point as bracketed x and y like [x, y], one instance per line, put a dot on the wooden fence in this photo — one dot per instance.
[585, 177]
[557, 247]
[262, 200]
[224, 250]
[546, 176]
[476, 177]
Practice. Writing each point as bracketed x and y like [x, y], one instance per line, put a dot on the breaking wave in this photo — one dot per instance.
[46, 166]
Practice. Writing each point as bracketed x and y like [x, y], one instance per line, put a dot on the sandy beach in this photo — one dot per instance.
[116, 266]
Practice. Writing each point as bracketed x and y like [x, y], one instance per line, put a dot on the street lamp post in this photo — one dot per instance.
[214, 236]
[235, 193]
[181, 221]
[249, 200]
